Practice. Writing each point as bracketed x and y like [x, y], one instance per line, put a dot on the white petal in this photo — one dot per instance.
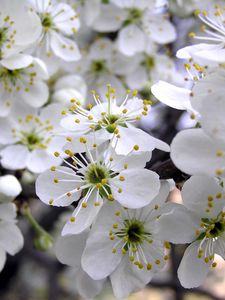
[137, 79]
[131, 40]
[8, 157]
[47, 189]
[86, 286]
[128, 278]
[64, 48]
[37, 95]
[11, 239]
[80, 126]
[172, 95]
[69, 249]
[2, 259]
[40, 160]
[139, 187]
[10, 188]
[196, 191]
[193, 152]
[84, 217]
[17, 61]
[7, 211]
[178, 225]
[192, 270]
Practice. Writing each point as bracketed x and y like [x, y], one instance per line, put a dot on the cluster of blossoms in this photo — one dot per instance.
[73, 77]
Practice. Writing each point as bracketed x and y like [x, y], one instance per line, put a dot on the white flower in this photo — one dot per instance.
[70, 87]
[68, 250]
[27, 135]
[22, 79]
[194, 152]
[9, 188]
[114, 122]
[59, 22]
[201, 222]
[142, 23]
[95, 178]
[153, 67]
[19, 28]
[123, 245]
[214, 28]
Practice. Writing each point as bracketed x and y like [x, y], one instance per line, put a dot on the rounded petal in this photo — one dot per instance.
[37, 95]
[69, 249]
[84, 217]
[11, 239]
[9, 153]
[17, 61]
[64, 48]
[172, 95]
[139, 187]
[131, 40]
[57, 193]
[192, 270]
[193, 152]
[128, 278]
[178, 225]
[10, 188]
[196, 192]
[40, 160]
[7, 211]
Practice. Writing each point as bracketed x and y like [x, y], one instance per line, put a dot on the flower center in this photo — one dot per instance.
[9, 75]
[134, 17]
[149, 62]
[3, 36]
[96, 174]
[213, 228]
[31, 140]
[46, 21]
[98, 66]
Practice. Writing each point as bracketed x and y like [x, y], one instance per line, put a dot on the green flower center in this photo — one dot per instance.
[98, 66]
[96, 174]
[46, 21]
[133, 233]
[10, 75]
[32, 140]
[149, 62]
[213, 228]
[3, 36]
[134, 17]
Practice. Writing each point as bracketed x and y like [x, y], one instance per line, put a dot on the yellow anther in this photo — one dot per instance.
[206, 260]
[167, 245]
[136, 147]
[69, 139]
[166, 257]
[156, 207]
[121, 178]
[149, 267]
[56, 180]
[219, 153]
[124, 111]
[125, 166]
[89, 106]
[114, 250]
[72, 219]
[84, 204]
[116, 131]
[140, 266]
[219, 172]
[135, 92]
[112, 237]
[56, 154]
[51, 201]
[214, 264]
[83, 140]
[187, 66]
[157, 262]
[68, 194]
[210, 198]
[192, 34]
[98, 185]
[96, 203]
[110, 197]
[117, 213]
[219, 195]
[53, 168]
[90, 118]
[104, 181]
[131, 258]
[210, 204]
[119, 190]
[115, 225]
[77, 121]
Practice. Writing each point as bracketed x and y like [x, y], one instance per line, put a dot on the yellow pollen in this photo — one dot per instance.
[149, 267]
[157, 262]
[56, 180]
[136, 147]
[84, 204]
[53, 168]
[122, 178]
[72, 219]
[96, 203]
[50, 201]
[56, 154]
